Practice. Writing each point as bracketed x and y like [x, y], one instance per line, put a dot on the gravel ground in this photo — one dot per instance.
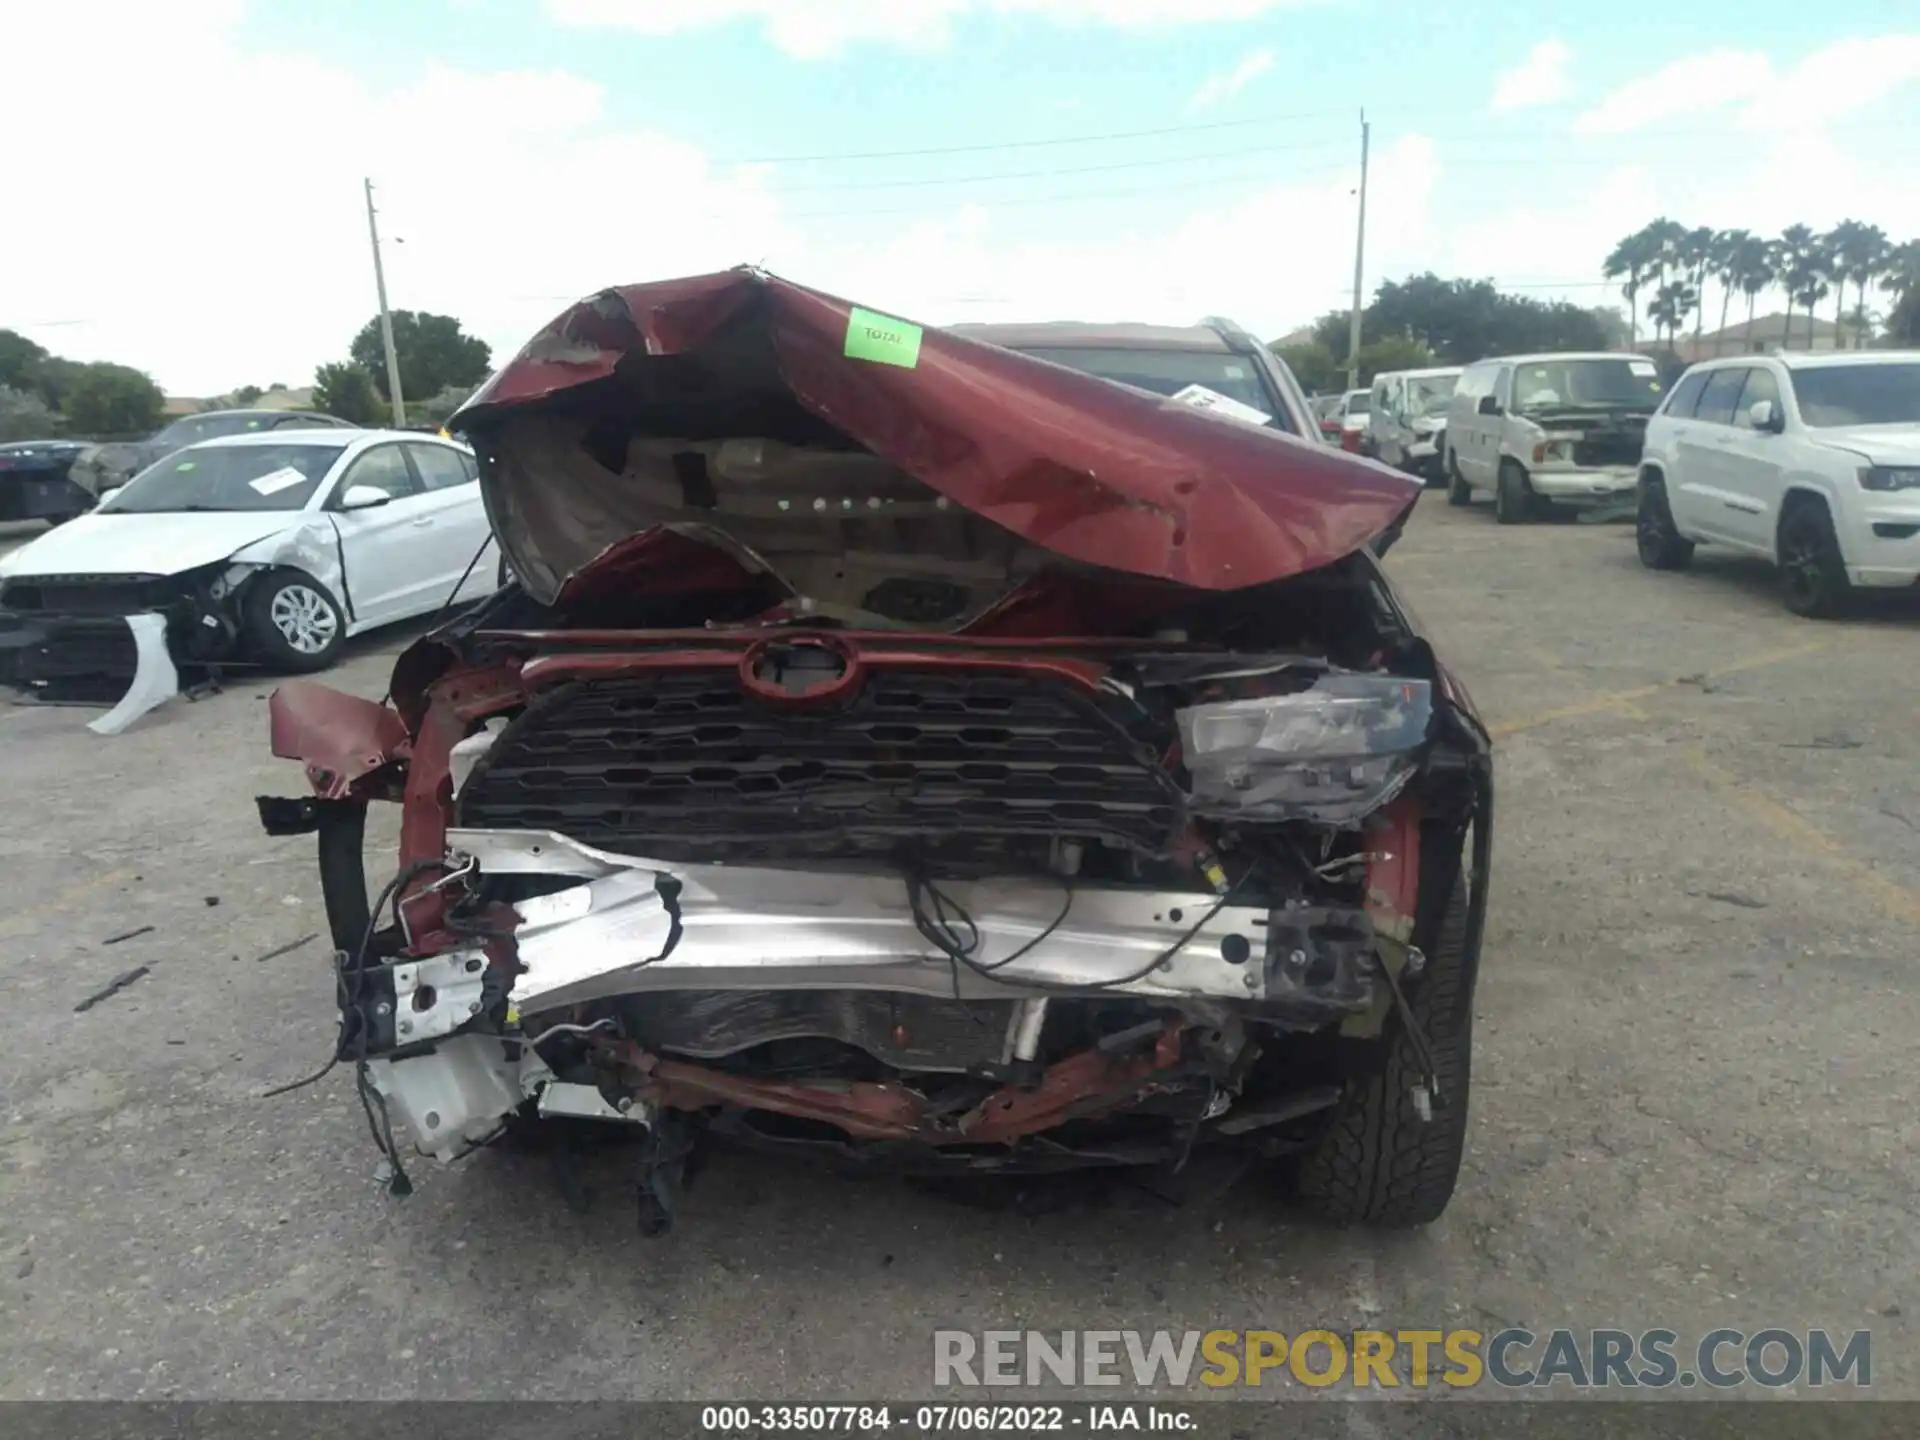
[1692, 1104]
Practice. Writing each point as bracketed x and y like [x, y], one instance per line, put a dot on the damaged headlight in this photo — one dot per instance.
[1333, 753]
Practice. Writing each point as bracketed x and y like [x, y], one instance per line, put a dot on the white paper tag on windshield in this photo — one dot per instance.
[1214, 403]
[1642, 367]
[285, 478]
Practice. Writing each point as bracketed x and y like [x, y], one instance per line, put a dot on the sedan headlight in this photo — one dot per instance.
[1890, 477]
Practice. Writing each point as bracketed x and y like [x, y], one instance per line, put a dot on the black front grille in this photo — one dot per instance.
[688, 765]
[87, 594]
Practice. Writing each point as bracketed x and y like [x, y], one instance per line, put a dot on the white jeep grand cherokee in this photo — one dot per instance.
[1811, 460]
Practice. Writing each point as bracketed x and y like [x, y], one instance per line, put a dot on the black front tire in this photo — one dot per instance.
[1513, 501]
[1660, 543]
[1813, 572]
[1458, 491]
[1379, 1163]
[295, 625]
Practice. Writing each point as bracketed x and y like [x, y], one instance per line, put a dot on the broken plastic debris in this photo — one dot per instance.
[155, 681]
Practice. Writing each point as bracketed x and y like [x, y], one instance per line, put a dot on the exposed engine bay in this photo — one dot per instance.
[813, 788]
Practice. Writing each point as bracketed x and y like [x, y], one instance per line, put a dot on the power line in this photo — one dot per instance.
[977, 149]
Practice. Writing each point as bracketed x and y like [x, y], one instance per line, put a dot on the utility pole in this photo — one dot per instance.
[1359, 267]
[386, 320]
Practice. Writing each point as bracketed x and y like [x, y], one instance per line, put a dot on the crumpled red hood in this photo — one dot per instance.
[1086, 469]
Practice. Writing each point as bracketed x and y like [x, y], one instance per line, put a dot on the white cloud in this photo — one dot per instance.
[812, 29]
[1230, 83]
[1823, 86]
[1540, 79]
[1708, 81]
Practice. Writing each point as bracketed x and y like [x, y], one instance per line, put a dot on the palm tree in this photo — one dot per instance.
[1900, 277]
[1671, 305]
[1795, 266]
[1857, 252]
[1726, 269]
[1694, 254]
[1632, 262]
[1756, 269]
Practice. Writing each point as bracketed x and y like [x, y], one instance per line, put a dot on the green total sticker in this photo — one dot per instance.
[882, 339]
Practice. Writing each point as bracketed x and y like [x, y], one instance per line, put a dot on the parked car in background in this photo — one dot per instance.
[103, 467]
[1216, 354]
[269, 548]
[1407, 419]
[1810, 460]
[36, 483]
[1537, 431]
[1355, 406]
[1326, 410]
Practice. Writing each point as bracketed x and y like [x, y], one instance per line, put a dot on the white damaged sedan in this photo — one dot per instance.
[268, 549]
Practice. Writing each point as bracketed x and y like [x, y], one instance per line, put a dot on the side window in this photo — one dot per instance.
[1380, 392]
[384, 468]
[1503, 384]
[1686, 394]
[1720, 396]
[1760, 386]
[440, 468]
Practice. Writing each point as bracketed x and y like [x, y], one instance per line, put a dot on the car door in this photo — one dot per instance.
[1491, 429]
[1665, 435]
[1708, 479]
[1752, 464]
[458, 543]
[381, 546]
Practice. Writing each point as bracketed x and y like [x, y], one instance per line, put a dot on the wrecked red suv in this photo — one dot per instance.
[906, 751]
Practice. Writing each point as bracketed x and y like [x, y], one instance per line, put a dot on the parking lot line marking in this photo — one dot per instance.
[1896, 899]
[1616, 699]
[23, 918]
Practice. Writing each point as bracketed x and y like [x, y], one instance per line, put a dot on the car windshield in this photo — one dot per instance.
[195, 428]
[1858, 394]
[1429, 394]
[228, 477]
[1586, 384]
[1166, 372]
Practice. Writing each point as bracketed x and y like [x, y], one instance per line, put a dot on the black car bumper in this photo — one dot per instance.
[77, 659]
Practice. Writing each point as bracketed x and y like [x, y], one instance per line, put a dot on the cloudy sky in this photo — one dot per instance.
[190, 200]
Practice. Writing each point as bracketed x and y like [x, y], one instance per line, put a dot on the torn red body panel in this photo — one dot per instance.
[1088, 470]
[339, 738]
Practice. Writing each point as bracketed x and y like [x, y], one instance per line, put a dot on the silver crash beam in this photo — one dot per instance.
[748, 928]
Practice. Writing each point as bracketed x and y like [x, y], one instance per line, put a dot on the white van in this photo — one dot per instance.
[1537, 431]
[1407, 419]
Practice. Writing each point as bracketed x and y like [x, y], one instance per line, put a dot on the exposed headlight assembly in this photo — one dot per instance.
[1332, 754]
[1890, 477]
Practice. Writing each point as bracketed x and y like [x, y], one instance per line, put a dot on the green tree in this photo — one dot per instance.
[107, 399]
[1861, 252]
[1314, 366]
[20, 360]
[1900, 278]
[25, 416]
[1394, 352]
[346, 390]
[434, 354]
[1754, 265]
[246, 395]
[1632, 263]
